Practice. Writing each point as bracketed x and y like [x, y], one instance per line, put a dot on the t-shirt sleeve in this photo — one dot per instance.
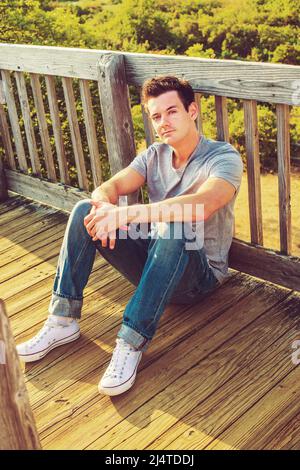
[228, 166]
[139, 164]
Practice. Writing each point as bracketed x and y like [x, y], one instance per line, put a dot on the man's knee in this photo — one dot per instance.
[82, 207]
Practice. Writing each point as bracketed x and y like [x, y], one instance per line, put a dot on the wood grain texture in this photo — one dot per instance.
[253, 171]
[284, 177]
[265, 82]
[31, 142]
[17, 424]
[40, 111]
[4, 131]
[14, 119]
[115, 106]
[57, 131]
[75, 132]
[222, 118]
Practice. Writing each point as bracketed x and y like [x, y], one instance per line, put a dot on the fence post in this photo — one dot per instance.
[17, 425]
[117, 119]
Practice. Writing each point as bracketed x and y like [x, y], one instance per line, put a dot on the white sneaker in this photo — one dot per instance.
[52, 334]
[121, 372]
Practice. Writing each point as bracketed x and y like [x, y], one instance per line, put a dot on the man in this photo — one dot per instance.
[184, 171]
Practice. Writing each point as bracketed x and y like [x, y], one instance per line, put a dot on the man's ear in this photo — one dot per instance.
[193, 110]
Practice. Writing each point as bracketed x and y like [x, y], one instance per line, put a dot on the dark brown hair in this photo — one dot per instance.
[158, 85]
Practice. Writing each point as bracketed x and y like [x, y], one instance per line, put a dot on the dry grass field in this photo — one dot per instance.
[269, 190]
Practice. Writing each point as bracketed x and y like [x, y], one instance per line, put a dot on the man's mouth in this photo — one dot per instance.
[167, 133]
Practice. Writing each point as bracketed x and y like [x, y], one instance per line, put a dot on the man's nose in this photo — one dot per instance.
[163, 121]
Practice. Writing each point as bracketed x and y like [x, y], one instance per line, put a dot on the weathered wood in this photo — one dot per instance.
[149, 131]
[14, 119]
[4, 131]
[3, 184]
[284, 177]
[253, 171]
[91, 131]
[114, 99]
[266, 82]
[54, 194]
[40, 111]
[199, 121]
[265, 264]
[56, 125]
[75, 132]
[17, 425]
[222, 118]
[31, 142]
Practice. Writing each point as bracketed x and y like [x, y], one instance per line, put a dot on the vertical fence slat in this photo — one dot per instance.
[253, 171]
[91, 131]
[14, 120]
[75, 132]
[199, 120]
[56, 126]
[222, 118]
[149, 131]
[33, 153]
[4, 130]
[284, 175]
[40, 111]
[115, 105]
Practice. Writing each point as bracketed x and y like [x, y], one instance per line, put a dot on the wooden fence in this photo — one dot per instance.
[114, 71]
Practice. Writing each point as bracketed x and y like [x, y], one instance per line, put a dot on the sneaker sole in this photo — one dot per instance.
[41, 354]
[113, 391]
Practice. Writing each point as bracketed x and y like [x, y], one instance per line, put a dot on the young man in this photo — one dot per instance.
[184, 171]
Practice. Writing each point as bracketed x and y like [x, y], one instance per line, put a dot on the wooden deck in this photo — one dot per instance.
[218, 375]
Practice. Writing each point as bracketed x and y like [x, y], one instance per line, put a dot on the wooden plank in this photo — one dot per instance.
[284, 177]
[286, 438]
[265, 264]
[149, 131]
[265, 82]
[3, 184]
[91, 132]
[54, 194]
[190, 350]
[16, 413]
[253, 171]
[31, 142]
[56, 125]
[40, 111]
[199, 121]
[75, 132]
[222, 118]
[115, 106]
[14, 119]
[4, 131]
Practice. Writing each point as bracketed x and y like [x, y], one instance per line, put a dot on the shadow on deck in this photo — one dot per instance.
[218, 375]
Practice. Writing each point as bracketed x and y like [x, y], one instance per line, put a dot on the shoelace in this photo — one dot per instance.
[37, 338]
[119, 358]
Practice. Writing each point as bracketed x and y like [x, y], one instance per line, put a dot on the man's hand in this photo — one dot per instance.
[103, 221]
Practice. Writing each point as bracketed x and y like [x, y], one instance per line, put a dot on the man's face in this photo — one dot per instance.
[170, 119]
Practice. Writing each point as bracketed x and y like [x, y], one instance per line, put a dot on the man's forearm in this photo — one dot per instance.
[106, 192]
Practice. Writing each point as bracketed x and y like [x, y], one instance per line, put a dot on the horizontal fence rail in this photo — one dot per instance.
[112, 72]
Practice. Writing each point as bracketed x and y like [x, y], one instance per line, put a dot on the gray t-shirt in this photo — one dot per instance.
[210, 158]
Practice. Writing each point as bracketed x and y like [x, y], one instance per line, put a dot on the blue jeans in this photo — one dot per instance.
[162, 270]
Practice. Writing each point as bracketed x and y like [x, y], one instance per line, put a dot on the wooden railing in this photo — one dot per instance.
[114, 71]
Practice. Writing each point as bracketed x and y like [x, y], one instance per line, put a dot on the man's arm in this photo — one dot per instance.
[122, 183]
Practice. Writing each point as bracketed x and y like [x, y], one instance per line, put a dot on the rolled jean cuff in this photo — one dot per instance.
[64, 306]
[133, 337]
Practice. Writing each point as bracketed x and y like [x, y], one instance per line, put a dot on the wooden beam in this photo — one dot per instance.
[54, 194]
[253, 171]
[75, 133]
[284, 177]
[56, 126]
[222, 118]
[14, 119]
[273, 83]
[4, 130]
[31, 142]
[40, 111]
[265, 264]
[3, 184]
[91, 131]
[199, 121]
[115, 106]
[17, 425]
